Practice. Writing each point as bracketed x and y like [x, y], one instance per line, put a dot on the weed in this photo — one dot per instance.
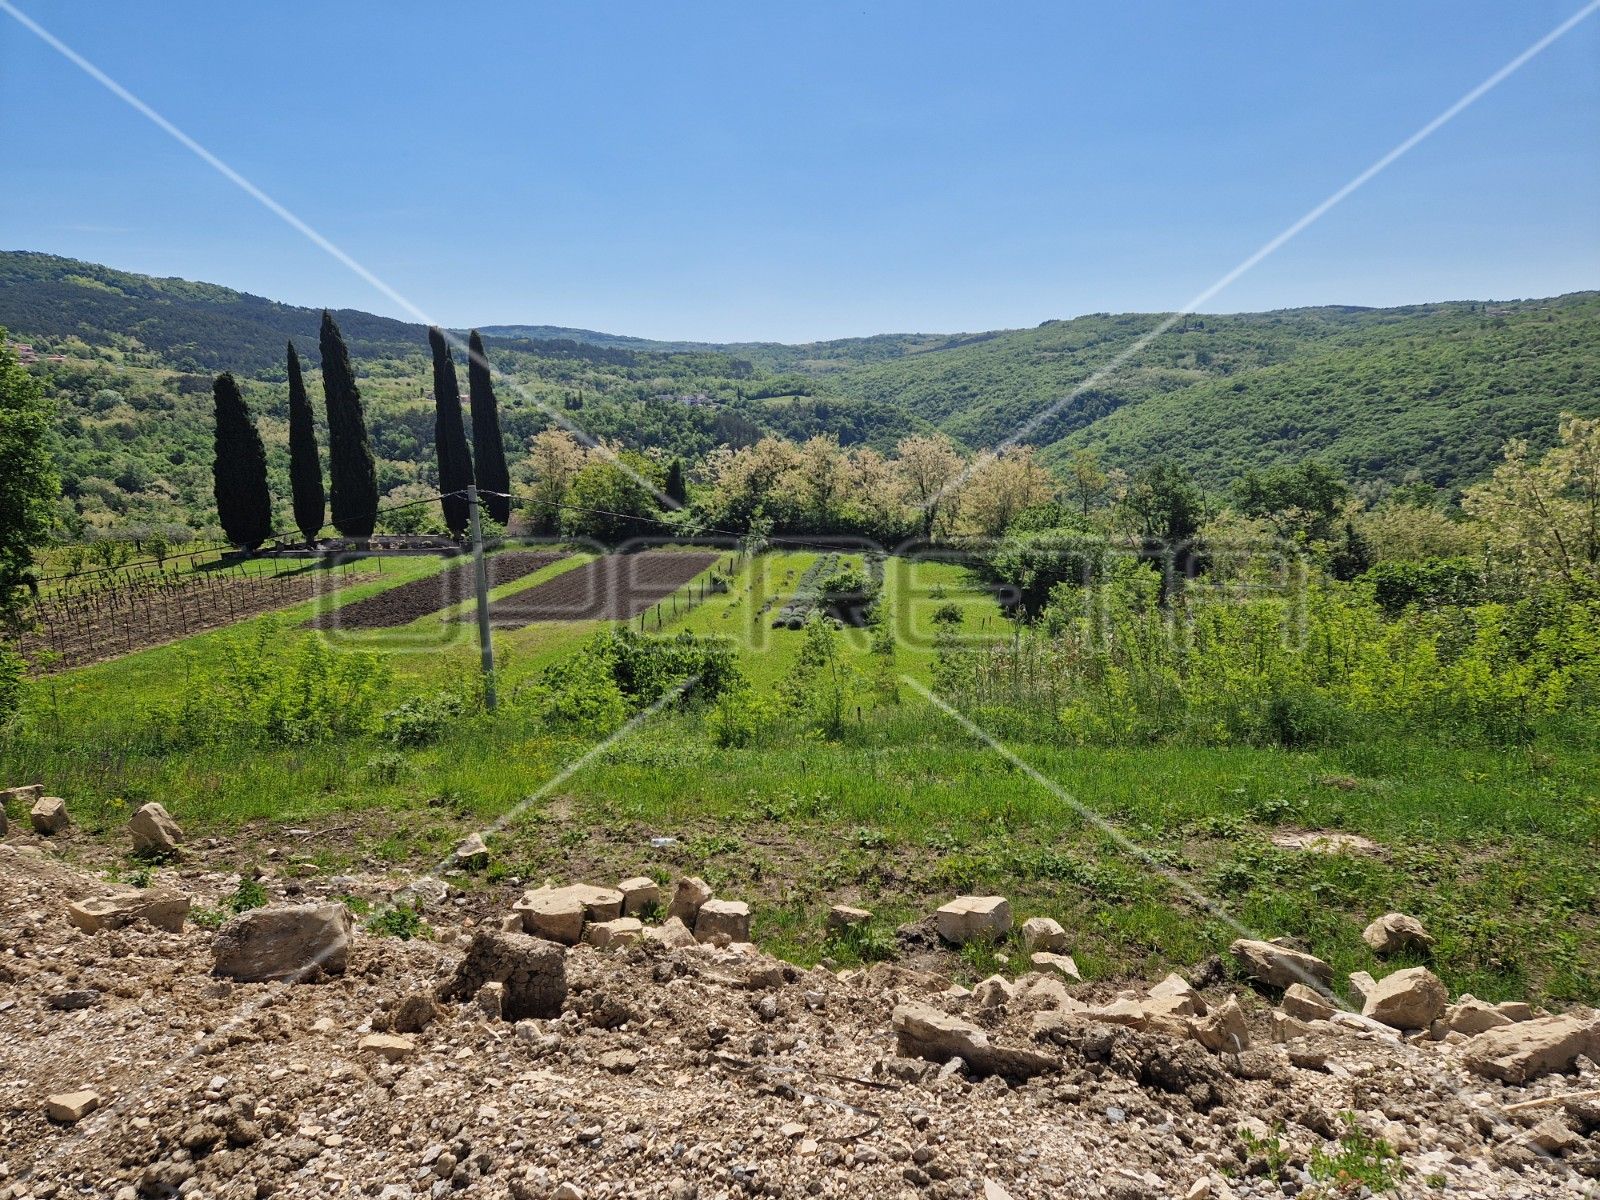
[249, 894]
[867, 943]
[1269, 1149]
[1360, 1161]
[207, 918]
[402, 921]
[360, 907]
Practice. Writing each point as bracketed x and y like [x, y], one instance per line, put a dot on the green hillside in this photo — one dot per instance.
[1428, 392]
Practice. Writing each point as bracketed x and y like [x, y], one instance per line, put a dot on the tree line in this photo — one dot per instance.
[239, 471]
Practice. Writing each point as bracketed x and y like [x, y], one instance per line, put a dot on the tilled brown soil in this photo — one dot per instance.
[613, 588]
[405, 603]
[692, 1074]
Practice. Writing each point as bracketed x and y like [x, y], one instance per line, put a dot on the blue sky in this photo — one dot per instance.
[729, 171]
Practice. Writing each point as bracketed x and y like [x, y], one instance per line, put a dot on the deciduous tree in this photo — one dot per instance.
[930, 474]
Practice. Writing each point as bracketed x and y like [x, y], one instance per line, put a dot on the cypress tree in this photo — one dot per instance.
[675, 489]
[449, 436]
[488, 446]
[239, 470]
[305, 468]
[352, 476]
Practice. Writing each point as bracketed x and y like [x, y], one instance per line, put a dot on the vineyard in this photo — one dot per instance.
[116, 613]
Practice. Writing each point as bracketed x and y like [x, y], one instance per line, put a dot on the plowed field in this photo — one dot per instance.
[612, 588]
[403, 604]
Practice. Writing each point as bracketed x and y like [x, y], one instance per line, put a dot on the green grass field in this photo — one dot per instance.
[1492, 849]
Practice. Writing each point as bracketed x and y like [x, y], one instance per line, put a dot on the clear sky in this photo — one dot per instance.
[727, 171]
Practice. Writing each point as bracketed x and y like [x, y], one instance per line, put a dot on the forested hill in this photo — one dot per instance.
[1425, 392]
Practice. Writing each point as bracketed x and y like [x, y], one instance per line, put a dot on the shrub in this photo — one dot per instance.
[402, 921]
[422, 720]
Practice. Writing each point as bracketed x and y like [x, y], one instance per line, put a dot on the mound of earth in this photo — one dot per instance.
[128, 1069]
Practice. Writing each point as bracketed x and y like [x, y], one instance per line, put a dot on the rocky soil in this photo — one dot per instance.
[129, 1069]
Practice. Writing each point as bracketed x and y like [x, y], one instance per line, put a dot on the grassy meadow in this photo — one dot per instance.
[897, 811]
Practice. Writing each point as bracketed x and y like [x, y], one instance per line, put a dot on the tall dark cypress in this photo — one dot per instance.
[239, 471]
[305, 468]
[675, 490]
[352, 475]
[449, 436]
[488, 446]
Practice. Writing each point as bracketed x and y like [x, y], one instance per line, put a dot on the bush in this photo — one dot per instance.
[620, 670]
[422, 720]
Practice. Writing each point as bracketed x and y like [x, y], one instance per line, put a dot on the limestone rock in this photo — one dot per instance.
[1279, 966]
[639, 895]
[994, 992]
[1303, 1004]
[157, 906]
[1517, 1010]
[623, 931]
[691, 893]
[49, 815]
[1175, 997]
[298, 943]
[69, 1107]
[1410, 999]
[843, 916]
[1394, 932]
[968, 918]
[725, 918]
[1044, 933]
[924, 1032]
[534, 972]
[154, 831]
[1471, 1016]
[471, 853]
[1224, 1030]
[25, 794]
[1061, 964]
[414, 1013]
[387, 1046]
[1526, 1050]
[673, 934]
[559, 914]
[1120, 1012]
[1362, 984]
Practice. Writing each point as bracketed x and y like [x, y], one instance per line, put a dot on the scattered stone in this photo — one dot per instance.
[49, 816]
[1394, 932]
[24, 794]
[491, 1001]
[414, 1013]
[556, 914]
[993, 1191]
[153, 831]
[471, 853]
[156, 906]
[1410, 999]
[296, 943]
[73, 1001]
[1362, 984]
[843, 916]
[969, 918]
[1471, 1016]
[1061, 964]
[639, 895]
[1303, 1004]
[420, 892]
[924, 1032]
[725, 918]
[387, 1046]
[624, 931]
[1517, 1010]
[1224, 1030]
[1553, 1136]
[1279, 966]
[619, 1062]
[71, 1107]
[1044, 933]
[994, 992]
[533, 971]
[673, 934]
[1174, 997]
[1120, 1012]
[1526, 1050]
[691, 893]
[567, 1191]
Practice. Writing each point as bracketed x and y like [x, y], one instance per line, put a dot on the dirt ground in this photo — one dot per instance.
[695, 1072]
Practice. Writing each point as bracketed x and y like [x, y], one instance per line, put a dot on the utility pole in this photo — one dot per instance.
[480, 574]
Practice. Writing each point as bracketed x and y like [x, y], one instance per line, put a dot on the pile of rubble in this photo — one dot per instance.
[596, 1043]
